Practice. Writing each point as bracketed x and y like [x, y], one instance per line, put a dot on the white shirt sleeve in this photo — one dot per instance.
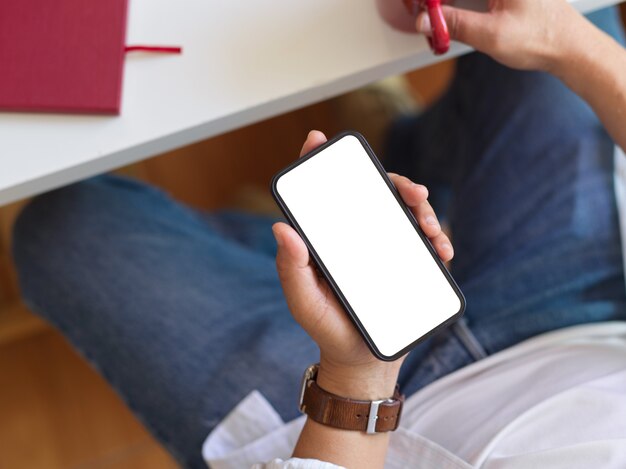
[296, 463]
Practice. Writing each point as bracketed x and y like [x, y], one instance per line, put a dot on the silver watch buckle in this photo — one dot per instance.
[309, 375]
[372, 418]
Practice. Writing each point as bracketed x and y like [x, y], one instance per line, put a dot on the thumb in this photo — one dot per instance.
[299, 280]
[469, 27]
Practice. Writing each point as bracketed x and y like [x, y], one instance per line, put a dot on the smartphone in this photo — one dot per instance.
[368, 245]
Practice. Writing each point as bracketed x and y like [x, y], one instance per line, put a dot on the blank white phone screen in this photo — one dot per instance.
[368, 245]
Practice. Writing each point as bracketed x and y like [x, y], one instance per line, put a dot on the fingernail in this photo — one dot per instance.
[423, 24]
[446, 246]
[430, 220]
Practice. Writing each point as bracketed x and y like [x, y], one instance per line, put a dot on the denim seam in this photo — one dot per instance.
[469, 340]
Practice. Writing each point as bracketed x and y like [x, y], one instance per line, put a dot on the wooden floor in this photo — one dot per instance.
[55, 410]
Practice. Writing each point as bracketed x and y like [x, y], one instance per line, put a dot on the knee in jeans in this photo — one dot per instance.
[47, 223]
[57, 232]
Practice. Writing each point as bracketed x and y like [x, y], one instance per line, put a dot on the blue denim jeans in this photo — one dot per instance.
[182, 311]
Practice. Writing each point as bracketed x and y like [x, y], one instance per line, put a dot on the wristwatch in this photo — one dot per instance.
[348, 414]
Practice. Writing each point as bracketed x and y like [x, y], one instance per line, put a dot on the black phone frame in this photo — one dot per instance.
[322, 268]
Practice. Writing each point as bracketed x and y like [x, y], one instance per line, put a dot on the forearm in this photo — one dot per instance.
[593, 65]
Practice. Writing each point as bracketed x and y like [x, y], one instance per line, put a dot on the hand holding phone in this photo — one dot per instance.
[313, 301]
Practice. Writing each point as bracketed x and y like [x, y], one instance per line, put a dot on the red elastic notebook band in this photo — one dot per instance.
[158, 49]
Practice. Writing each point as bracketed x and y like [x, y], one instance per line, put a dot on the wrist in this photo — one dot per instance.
[371, 381]
[572, 46]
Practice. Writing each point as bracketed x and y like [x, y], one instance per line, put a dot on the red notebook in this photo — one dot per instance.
[62, 55]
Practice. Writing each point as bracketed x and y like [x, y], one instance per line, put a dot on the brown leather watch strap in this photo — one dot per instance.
[350, 414]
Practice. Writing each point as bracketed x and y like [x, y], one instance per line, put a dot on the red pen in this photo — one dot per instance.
[439, 39]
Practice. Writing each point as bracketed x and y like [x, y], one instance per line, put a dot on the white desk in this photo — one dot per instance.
[243, 61]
